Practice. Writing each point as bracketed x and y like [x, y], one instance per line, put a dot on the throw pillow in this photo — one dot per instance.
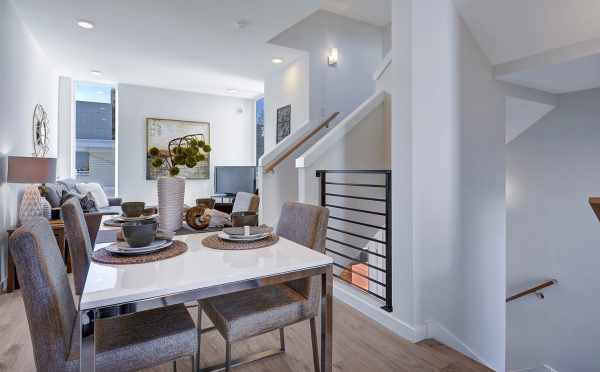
[66, 195]
[87, 203]
[50, 192]
[97, 193]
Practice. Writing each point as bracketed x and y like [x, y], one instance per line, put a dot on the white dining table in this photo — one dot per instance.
[199, 273]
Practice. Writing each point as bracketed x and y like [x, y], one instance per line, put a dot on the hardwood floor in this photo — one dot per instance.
[359, 344]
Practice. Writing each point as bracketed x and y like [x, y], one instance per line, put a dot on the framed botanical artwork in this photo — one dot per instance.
[284, 122]
[158, 134]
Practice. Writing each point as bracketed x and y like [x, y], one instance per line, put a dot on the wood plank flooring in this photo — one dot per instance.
[359, 344]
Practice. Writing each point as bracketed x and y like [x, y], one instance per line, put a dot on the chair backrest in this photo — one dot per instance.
[80, 244]
[245, 202]
[48, 300]
[207, 202]
[306, 225]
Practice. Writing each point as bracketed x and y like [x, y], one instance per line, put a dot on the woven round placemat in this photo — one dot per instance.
[214, 242]
[106, 257]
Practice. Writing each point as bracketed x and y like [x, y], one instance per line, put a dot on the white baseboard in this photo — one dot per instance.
[440, 333]
[372, 309]
[544, 368]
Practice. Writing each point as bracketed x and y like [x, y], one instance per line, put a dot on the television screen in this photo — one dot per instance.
[230, 180]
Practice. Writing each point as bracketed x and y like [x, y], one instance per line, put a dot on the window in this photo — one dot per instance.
[260, 128]
[82, 163]
[95, 134]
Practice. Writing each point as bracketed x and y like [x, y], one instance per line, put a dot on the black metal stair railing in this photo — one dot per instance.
[359, 236]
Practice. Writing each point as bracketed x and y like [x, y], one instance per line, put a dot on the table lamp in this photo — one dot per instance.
[22, 169]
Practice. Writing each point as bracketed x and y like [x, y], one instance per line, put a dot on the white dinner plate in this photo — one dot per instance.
[242, 238]
[124, 248]
[122, 218]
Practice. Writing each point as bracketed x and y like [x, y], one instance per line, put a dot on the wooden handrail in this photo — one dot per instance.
[595, 204]
[532, 290]
[269, 167]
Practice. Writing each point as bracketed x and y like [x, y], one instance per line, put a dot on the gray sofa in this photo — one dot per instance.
[55, 190]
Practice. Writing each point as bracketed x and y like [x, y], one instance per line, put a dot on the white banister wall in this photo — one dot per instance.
[281, 185]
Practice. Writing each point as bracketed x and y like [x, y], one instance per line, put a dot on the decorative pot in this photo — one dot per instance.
[171, 191]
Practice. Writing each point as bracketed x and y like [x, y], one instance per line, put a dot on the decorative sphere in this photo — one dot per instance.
[154, 151]
[157, 163]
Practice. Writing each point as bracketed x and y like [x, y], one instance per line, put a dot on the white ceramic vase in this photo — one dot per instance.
[171, 191]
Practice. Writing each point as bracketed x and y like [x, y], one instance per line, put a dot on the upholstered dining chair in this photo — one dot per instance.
[239, 316]
[245, 202]
[142, 340]
[80, 239]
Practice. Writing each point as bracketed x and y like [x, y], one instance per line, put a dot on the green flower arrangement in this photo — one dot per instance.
[183, 151]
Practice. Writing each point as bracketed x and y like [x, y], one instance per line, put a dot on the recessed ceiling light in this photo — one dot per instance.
[232, 90]
[277, 60]
[96, 72]
[88, 25]
[99, 92]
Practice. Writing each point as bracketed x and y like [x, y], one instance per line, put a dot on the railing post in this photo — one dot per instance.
[322, 176]
[388, 243]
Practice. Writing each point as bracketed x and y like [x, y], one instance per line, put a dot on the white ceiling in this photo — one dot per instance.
[551, 45]
[570, 76]
[376, 12]
[176, 44]
[512, 29]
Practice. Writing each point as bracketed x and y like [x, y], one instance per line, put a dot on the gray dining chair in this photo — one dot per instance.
[245, 202]
[80, 239]
[239, 316]
[127, 343]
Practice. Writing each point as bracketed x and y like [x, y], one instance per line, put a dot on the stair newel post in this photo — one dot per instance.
[388, 242]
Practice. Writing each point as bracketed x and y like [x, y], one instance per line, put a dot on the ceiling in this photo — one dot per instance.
[376, 12]
[512, 29]
[570, 76]
[176, 44]
[549, 45]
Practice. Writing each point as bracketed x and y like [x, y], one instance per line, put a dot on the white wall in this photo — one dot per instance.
[287, 86]
[316, 90]
[364, 147]
[453, 110]
[344, 87]
[387, 39]
[231, 135]
[27, 79]
[553, 233]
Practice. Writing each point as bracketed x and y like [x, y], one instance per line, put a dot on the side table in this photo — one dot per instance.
[58, 228]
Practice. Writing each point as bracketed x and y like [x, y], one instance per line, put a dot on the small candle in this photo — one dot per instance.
[246, 230]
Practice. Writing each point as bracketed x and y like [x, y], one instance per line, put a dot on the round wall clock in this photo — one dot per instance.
[40, 131]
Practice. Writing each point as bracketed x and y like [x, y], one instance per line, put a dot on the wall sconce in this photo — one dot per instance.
[332, 58]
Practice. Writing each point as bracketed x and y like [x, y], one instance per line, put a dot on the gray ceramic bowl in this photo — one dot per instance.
[139, 233]
[133, 209]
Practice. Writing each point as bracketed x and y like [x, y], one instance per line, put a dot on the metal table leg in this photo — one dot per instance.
[327, 321]
[87, 356]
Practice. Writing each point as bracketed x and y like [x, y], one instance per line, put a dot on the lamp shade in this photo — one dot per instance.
[23, 169]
